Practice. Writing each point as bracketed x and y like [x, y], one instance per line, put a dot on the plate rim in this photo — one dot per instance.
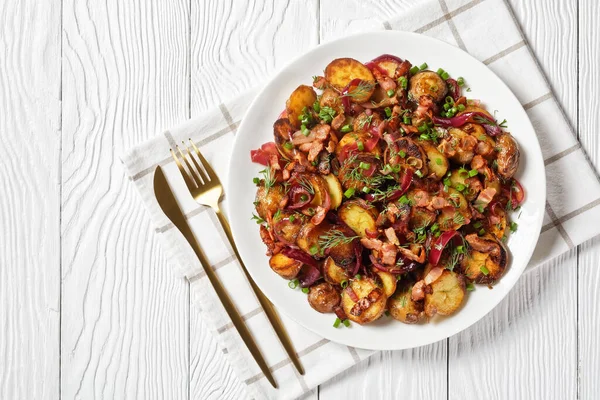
[397, 34]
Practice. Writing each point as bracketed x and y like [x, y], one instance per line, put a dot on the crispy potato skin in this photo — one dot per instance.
[359, 216]
[348, 179]
[387, 280]
[324, 297]
[330, 98]
[446, 295]
[286, 267]
[333, 273]
[340, 72]
[508, 156]
[282, 132]
[303, 96]
[285, 229]
[354, 137]
[309, 237]
[267, 201]
[428, 83]
[403, 308]
[485, 251]
[371, 301]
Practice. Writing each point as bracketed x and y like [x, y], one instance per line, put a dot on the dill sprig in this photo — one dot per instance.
[365, 121]
[361, 90]
[334, 238]
[268, 178]
[306, 185]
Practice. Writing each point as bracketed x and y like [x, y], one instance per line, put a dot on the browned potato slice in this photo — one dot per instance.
[287, 225]
[344, 252]
[428, 83]
[359, 216]
[351, 175]
[330, 98]
[286, 267]
[421, 217]
[282, 132]
[403, 308]
[267, 201]
[320, 187]
[449, 219]
[487, 259]
[460, 140]
[387, 280]
[333, 273]
[335, 190]
[447, 294]
[508, 155]
[371, 301]
[436, 161]
[355, 137]
[324, 297]
[308, 238]
[341, 71]
[415, 155]
[363, 122]
[303, 96]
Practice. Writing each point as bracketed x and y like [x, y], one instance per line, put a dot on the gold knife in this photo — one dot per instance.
[168, 203]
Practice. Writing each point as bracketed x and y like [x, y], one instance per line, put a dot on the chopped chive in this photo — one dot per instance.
[349, 193]
[305, 290]
[440, 71]
[422, 128]
[390, 92]
[293, 284]
[305, 130]
[477, 225]
[460, 187]
[460, 81]
[346, 322]
[423, 66]
[447, 106]
[484, 270]
[402, 153]
[473, 173]
[435, 227]
[419, 173]
[288, 145]
[513, 226]
[303, 197]
[388, 112]
[314, 249]
[364, 165]
[403, 82]
[445, 75]
[344, 284]
[358, 277]
[461, 107]
[366, 189]
[406, 120]
[337, 323]
[425, 136]
[414, 70]
[316, 106]
[256, 181]
[346, 128]
[439, 161]
[447, 182]
[360, 145]
[481, 232]
[449, 100]
[292, 218]
[470, 286]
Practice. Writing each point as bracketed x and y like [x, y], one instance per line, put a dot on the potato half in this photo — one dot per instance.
[303, 96]
[447, 294]
[403, 308]
[371, 301]
[341, 71]
[284, 266]
[359, 216]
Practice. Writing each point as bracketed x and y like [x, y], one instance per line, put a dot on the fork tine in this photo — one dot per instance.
[198, 168]
[188, 181]
[205, 164]
[193, 174]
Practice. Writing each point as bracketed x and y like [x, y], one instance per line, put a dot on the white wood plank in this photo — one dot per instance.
[237, 46]
[419, 373]
[589, 257]
[526, 348]
[30, 201]
[125, 315]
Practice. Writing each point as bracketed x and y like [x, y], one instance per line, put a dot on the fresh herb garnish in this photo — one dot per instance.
[334, 238]
[327, 114]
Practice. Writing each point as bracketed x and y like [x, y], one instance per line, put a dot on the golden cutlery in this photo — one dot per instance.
[168, 203]
[206, 189]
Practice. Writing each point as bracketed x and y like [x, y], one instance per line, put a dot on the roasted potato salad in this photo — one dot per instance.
[386, 189]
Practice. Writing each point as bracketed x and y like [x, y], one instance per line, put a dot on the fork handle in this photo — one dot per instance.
[262, 299]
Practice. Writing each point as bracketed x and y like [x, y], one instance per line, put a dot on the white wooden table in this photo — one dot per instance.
[89, 307]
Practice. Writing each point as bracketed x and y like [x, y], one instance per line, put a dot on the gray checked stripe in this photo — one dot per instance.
[214, 267]
[245, 317]
[504, 52]
[451, 24]
[571, 215]
[556, 222]
[562, 154]
[445, 17]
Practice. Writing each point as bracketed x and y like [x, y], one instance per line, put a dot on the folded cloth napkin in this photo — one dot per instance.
[488, 31]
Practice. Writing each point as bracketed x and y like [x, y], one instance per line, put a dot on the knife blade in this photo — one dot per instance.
[168, 203]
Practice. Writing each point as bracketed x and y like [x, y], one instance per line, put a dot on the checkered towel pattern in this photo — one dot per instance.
[487, 30]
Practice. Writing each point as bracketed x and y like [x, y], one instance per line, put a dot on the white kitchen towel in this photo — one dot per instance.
[484, 28]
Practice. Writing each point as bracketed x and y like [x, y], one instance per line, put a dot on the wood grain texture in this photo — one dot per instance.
[236, 46]
[30, 201]
[124, 314]
[589, 254]
[418, 373]
[526, 347]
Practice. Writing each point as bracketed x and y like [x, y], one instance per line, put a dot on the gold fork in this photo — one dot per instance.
[206, 189]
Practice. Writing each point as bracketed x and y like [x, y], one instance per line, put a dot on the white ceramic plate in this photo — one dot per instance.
[256, 128]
